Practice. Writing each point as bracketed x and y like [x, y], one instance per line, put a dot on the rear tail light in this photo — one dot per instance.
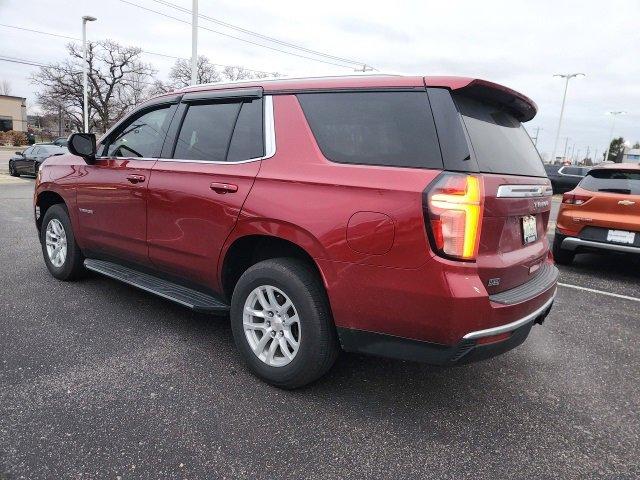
[573, 199]
[453, 215]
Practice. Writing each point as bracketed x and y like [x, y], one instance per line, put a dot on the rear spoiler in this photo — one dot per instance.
[520, 106]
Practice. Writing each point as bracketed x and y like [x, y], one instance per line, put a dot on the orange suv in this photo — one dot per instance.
[601, 213]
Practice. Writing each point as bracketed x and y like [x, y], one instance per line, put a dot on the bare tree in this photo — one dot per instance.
[180, 74]
[117, 78]
[5, 87]
[241, 73]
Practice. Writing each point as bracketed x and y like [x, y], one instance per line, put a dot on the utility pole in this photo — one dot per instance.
[613, 124]
[567, 77]
[595, 156]
[588, 149]
[194, 43]
[59, 120]
[535, 139]
[85, 94]
[566, 144]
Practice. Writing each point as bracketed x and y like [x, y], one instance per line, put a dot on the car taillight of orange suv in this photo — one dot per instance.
[601, 214]
[389, 215]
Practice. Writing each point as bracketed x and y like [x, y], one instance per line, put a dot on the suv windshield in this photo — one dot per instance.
[614, 181]
[500, 142]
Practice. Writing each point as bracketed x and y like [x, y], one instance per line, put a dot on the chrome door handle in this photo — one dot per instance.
[223, 188]
[135, 178]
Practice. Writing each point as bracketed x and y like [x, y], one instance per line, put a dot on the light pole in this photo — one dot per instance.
[85, 106]
[567, 77]
[194, 43]
[613, 124]
[566, 144]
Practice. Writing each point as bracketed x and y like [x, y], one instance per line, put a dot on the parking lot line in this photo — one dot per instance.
[601, 292]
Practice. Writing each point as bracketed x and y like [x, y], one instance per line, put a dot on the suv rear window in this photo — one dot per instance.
[374, 128]
[500, 142]
[614, 181]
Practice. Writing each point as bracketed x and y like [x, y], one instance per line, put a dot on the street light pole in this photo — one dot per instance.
[566, 144]
[613, 124]
[194, 43]
[567, 77]
[85, 94]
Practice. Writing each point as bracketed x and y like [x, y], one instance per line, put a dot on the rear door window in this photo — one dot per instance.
[614, 181]
[247, 140]
[374, 128]
[499, 141]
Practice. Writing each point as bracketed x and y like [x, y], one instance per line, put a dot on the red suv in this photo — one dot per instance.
[389, 215]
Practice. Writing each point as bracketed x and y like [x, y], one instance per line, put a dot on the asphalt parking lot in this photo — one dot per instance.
[102, 381]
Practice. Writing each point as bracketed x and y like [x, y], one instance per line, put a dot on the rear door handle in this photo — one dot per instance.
[223, 188]
[134, 178]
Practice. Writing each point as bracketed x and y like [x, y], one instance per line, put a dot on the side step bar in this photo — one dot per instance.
[188, 297]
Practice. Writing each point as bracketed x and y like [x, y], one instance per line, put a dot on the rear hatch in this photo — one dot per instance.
[516, 194]
[607, 205]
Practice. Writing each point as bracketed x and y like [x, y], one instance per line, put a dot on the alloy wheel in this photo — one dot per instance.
[56, 242]
[271, 325]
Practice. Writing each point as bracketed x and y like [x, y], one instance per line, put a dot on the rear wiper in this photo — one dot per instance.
[615, 190]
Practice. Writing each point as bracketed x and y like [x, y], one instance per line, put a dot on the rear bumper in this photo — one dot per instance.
[573, 244]
[470, 349]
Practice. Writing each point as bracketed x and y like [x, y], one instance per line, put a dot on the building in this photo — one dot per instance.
[13, 113]
[631, 155]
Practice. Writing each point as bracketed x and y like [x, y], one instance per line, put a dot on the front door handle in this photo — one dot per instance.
[135, 178]
[223, 188]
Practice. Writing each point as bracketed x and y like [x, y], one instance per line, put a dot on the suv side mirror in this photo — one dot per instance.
[83, 145]
[20, 153]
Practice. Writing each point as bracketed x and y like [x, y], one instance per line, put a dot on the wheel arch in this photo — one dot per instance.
[243, 251]
[45, 200]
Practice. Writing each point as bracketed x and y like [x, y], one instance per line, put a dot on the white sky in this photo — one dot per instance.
[517, 43]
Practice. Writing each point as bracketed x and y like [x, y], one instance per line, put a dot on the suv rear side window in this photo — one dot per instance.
[614, 181]
[500, 142]
[206, 131]
[247, 141]
[374, 128]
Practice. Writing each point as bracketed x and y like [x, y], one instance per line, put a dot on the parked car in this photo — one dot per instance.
[565, 177]
[60, 141]
[29, 160]
[601, 214]
[388, 215]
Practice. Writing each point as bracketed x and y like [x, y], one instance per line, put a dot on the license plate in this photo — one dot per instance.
[529, 229]
[621, 236]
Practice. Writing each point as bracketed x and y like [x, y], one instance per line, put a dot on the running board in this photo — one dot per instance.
[188, 297]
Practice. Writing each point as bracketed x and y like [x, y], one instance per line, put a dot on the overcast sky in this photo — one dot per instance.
[519, 44]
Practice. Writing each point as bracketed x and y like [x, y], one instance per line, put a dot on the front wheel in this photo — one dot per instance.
[61, 252]
[281, 323]
[12, 170]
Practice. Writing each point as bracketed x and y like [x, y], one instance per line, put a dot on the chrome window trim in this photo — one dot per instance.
[524, 191]
[509, 327]
[269, 140]
[561, 172]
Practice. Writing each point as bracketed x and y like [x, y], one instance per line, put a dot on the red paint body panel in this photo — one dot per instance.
[112, 210]
[188, 220]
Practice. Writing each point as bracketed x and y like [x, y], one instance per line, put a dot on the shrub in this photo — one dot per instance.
[18, 138]
[3, 138]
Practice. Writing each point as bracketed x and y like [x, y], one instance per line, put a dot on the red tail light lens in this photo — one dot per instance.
[573, 199]
[454, 215]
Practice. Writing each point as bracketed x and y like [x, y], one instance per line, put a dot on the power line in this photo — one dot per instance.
[234, 37]
[143, 51]
[259, 35]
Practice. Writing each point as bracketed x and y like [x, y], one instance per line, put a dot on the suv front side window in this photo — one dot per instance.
[141, 137]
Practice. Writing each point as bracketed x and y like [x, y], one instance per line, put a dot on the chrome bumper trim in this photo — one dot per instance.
[571, 243]
[513, 325]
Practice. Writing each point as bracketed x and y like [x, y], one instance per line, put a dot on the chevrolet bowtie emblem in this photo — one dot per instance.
[626, 202]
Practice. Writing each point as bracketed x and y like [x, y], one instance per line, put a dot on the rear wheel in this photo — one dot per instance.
[61, 252]
[563, 257]
[282, 324]
[12, 170]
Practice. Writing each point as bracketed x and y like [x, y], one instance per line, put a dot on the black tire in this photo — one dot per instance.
[12, 170]
[562, 257]
[73, 266]
[318, 348]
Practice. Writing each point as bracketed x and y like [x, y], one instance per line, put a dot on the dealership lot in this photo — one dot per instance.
[103, 381]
